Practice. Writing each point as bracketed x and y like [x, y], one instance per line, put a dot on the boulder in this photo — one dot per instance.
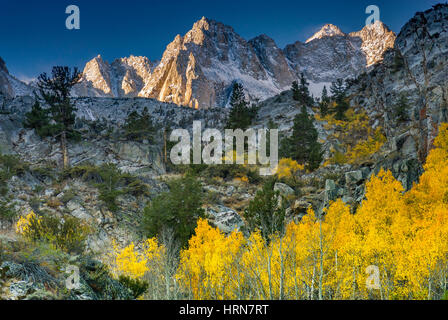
[226, 219]
[353, 177]
[331, 191]
[78, 211]
[284, 189]
[300, 207]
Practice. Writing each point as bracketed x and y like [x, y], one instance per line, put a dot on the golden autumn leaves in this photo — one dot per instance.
[403, 234]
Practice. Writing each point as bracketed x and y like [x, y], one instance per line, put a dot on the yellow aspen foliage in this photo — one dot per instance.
[403, 235]
[256, 262]
[288, 168]
[357, 140]
[135, 263]
[206, 268]
[23, 224]
[427, 205]
[381, 224]
[363, 150]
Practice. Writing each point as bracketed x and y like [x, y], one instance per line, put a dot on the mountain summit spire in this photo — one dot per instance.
[328, 30]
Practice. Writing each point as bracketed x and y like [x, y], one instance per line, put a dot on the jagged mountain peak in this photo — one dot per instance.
[377, 26]
[263, 38]
[376, 39]
[124, 77]
[97, 60]
[328, 30]
[207, 23]
[132, 60]
[207, 29]
[199, 68]
[202, 24]
[96, 75]
[377, 29]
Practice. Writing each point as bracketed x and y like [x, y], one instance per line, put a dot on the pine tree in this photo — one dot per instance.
[139, 127]
[401, 109]
[55, 90]
[341, 108]
[315, 156]
[305, 97]
[39, 120]
[303, 145]
[241, 114]
[178, 210]
[324, 103]
[265, 212]
[338, 91]
[295, 91]
[301, 92]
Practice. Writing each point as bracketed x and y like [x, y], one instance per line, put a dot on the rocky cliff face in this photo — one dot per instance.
[376, 40]
[10, 86]
[273, 60]
[416, 68]
[124, 77]
[330, 54]
[199, 68]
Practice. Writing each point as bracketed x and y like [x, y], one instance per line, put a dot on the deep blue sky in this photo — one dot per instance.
[33, 36]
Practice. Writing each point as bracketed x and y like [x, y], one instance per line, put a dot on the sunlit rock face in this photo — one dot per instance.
[199, 68]
[131, 75]
[124, 77]
[328, 30]
[376, 40]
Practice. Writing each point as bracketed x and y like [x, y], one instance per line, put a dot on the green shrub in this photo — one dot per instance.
[137, 286]
[139, 127]
[264, 212]
[10, 166]
[7, 211]
[226, 172]
[178, 210]
[68, 196]
[67, 234]
[3, 186]
[35, 203]
[110, 182]
[137, 188]
[109, 197]
[37, 253]
[43, 172]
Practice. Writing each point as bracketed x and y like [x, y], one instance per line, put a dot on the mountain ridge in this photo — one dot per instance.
[199, 68]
